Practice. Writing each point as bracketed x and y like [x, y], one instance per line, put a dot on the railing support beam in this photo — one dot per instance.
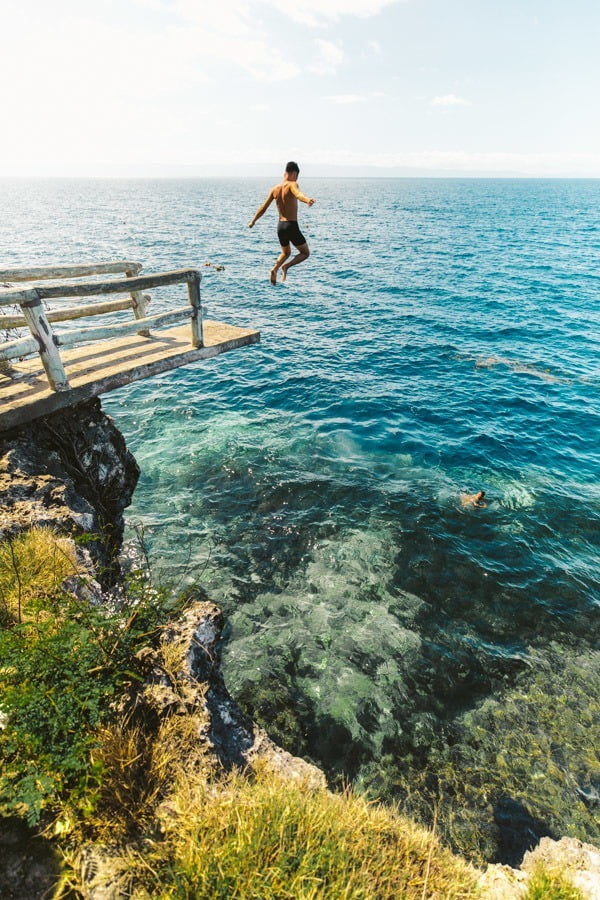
[139, 300]
[34, 315]
[193, 287]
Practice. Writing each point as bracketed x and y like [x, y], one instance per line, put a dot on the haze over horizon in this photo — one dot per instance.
[347, 87]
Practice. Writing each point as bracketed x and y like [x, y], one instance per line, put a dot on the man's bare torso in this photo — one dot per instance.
[285, 196]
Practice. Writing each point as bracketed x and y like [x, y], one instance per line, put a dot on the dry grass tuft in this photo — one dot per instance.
[148, 756]
[33, 566]
[270, 838]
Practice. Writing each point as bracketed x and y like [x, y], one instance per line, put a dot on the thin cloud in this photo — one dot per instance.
[317, 13]
[349, 99]
[229, 32]
[345, 99]
[450, 100]
[329, 58]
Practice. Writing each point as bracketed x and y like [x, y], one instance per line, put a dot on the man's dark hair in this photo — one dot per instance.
[293, 167]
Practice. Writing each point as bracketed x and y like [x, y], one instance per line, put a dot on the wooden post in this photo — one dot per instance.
[34, 314]
[138, 299]
[194, 295]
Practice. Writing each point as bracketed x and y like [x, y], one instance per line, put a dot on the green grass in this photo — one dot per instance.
[265, 837]
[547, 885]
[63, 664]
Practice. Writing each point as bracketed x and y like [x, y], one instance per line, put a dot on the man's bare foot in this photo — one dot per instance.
[273, 276]
[283, 273]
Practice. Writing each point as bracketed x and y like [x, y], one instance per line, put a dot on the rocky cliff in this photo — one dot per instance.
[72, 472]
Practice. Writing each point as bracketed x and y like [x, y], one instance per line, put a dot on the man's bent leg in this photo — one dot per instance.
[303, 253]
[285, 252]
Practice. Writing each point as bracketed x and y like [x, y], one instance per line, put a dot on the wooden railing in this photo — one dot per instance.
[47, 343]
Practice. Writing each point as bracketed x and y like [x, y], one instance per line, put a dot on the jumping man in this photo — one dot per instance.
[286, 196]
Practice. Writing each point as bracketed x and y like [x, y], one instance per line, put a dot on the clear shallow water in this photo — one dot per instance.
[442, 338]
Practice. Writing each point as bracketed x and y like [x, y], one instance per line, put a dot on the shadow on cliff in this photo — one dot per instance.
[29, 864]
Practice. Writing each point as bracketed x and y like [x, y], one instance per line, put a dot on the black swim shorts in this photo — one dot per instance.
[289, 231]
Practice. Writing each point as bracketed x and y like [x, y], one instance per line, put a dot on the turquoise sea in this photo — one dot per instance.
[442, 338]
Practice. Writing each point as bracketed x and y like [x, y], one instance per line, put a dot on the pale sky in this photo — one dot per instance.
[185, 87]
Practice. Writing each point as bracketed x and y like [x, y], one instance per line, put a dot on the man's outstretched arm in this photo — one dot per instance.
[261, 210]
[300, 196]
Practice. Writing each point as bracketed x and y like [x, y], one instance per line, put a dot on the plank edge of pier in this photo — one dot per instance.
[15, 417]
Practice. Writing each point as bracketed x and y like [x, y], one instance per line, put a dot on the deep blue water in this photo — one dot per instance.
[442, 338]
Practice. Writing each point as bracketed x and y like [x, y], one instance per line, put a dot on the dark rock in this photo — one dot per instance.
[519, 831]
[72, 472]
[233, 739]
[29, 866]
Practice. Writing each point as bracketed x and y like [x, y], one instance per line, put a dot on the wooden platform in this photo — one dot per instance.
[95, 368]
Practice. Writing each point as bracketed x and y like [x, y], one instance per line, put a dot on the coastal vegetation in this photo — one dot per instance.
[64, 661]
[126, 788]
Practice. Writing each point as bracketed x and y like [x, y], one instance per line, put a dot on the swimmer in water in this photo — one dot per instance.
[474, 500]
[286, 196]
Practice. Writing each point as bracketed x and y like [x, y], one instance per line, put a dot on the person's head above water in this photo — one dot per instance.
[477, 499]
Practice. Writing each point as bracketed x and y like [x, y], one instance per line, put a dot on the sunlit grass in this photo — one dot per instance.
[265, 837]
[548, 885]
[33, 565]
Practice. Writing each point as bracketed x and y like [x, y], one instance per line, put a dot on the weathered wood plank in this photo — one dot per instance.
[94, 370]
[71, 312]
[35, 273]
[104, 332]
[117, 285]
[14, 297]
[93, 288]
[21, 347]
[40, 328]
[194, 297]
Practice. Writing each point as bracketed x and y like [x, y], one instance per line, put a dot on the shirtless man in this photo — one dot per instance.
[286, 196]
